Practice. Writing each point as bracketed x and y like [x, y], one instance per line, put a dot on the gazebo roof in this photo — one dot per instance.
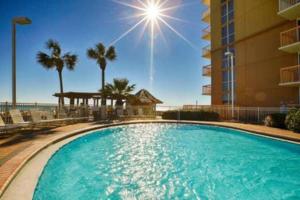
[80, 95]
[145, 97]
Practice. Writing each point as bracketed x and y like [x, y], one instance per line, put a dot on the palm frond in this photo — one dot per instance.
[70, 60]
[100, 49]
[130, 88]
[111, 53]
[120, 84]
[54, 47]
[45, 60]
[92, 54]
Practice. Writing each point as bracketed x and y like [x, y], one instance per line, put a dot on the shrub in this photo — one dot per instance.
[293, 120]
[276, 120]
[191, 115]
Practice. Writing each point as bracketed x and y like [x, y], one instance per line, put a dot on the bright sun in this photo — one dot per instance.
[151, 15]
[152, 11]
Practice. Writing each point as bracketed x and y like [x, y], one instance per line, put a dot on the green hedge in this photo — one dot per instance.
[293, 120]
[191, 115]
[276, 120]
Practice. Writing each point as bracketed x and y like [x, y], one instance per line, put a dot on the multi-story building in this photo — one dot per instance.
[206, 53]
[261, 40]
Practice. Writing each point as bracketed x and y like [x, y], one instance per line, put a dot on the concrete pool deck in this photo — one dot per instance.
[18, 149]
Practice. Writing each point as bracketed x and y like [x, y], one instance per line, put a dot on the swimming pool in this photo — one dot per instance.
[171, 161]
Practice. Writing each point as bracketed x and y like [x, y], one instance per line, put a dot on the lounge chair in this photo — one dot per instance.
[48, 115]
[17, 118]
[37, 118]
[7, 127]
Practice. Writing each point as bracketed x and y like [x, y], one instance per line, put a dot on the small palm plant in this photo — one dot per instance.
[102, 55]
[55, 60]
[120, 89]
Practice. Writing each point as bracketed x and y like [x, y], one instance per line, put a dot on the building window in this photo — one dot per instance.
[227, 40]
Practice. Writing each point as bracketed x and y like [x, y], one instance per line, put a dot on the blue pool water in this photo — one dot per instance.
[169, 161]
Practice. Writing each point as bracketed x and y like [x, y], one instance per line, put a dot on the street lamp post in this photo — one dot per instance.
[15, 21]
[230, 55]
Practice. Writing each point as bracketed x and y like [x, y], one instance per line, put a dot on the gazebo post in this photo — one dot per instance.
[71, 102]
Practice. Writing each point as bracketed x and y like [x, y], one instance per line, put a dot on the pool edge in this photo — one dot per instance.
[70, 134]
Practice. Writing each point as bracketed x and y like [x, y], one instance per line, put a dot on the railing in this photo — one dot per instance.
[206, 71]
[206, 16]
[6, 106]
[54, 109]
[206, 51]
[240, 114]
[290, 74]
[285, 4]
[206, 90]
[290, 36]
[206, 33]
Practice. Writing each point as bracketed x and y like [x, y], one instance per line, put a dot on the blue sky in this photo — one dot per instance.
[80, 24]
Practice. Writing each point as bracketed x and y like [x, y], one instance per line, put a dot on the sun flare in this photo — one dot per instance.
[152, 15]
[152, 11]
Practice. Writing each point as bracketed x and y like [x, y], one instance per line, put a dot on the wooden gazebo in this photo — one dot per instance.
[144, 100]
[81, 98]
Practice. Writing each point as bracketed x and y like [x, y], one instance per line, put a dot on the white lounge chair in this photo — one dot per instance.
[7, 127]
[17, 118]
[37, 118]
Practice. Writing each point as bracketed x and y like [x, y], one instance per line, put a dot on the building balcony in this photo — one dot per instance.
[206, 90]
[206, 71]
[290, 76]
[289, 9]
[206, 34]
[290, 40]
[206, 2]
[206, 52]
[206, 16]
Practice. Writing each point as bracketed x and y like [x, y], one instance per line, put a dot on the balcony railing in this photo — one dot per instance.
[206, 90]
[206, 71]
[206, 52]
[290, 40]
[206, 33]
[206, 16]
[285, 4]
[289, 9]
[290, 76]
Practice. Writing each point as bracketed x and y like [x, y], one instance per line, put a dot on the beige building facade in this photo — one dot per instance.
[261, 40]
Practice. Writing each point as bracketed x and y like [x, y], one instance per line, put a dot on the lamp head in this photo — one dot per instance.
[228, 53]
[21, 20]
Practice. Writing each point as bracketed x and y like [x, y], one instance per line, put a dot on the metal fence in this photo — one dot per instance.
[240, 114]
[6, 106]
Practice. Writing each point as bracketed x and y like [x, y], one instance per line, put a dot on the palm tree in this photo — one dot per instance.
[120, 89]
[55, 60]
[101, 55]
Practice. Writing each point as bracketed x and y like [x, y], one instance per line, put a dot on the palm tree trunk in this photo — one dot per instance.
[62, 101]
[103, 98]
